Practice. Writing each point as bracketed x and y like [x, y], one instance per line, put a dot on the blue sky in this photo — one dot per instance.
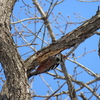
[91, 60]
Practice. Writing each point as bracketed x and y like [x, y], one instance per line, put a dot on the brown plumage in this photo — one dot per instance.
[49, 64]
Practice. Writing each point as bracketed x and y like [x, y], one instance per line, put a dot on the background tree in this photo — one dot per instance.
[38, 35]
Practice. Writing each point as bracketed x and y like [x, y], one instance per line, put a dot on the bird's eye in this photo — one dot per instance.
[58, 59]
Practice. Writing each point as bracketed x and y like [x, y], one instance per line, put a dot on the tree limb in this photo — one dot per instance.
[78, 35]
[71, 88]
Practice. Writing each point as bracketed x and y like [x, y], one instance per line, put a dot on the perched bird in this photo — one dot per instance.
[49, 64]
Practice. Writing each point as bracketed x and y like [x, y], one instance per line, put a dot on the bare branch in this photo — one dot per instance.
[44, 17]
[71, 51]
[74, 80]
[85, 68]
[78, 35]
[27, 19]
[46, 83]
[31, 31]
[90, 89]
[83, 96]
[27, 44]
[55, 91]
[69, 82]
[89, 1]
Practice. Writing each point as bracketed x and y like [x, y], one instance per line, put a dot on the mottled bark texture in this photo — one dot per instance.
[15, 72]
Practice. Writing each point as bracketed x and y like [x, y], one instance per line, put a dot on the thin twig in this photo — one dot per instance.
[90, 89]
[46, 83]
[44, 18]
[55, 91]
[85, 68]
[30, 30]
[27, 19]
[88, 1]
[83, 96]
[71, 51]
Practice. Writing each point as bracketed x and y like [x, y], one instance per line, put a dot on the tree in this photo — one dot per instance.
[17, 70]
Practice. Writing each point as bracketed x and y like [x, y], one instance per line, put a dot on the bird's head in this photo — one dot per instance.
[60, 58]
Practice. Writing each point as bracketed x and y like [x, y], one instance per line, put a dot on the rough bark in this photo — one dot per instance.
[15, 72]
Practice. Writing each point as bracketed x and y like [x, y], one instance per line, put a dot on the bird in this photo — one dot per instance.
[49, 64]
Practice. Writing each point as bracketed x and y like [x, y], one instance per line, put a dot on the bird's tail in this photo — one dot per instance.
[32, 74]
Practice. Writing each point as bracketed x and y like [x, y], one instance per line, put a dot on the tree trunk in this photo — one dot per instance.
[15, 72]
